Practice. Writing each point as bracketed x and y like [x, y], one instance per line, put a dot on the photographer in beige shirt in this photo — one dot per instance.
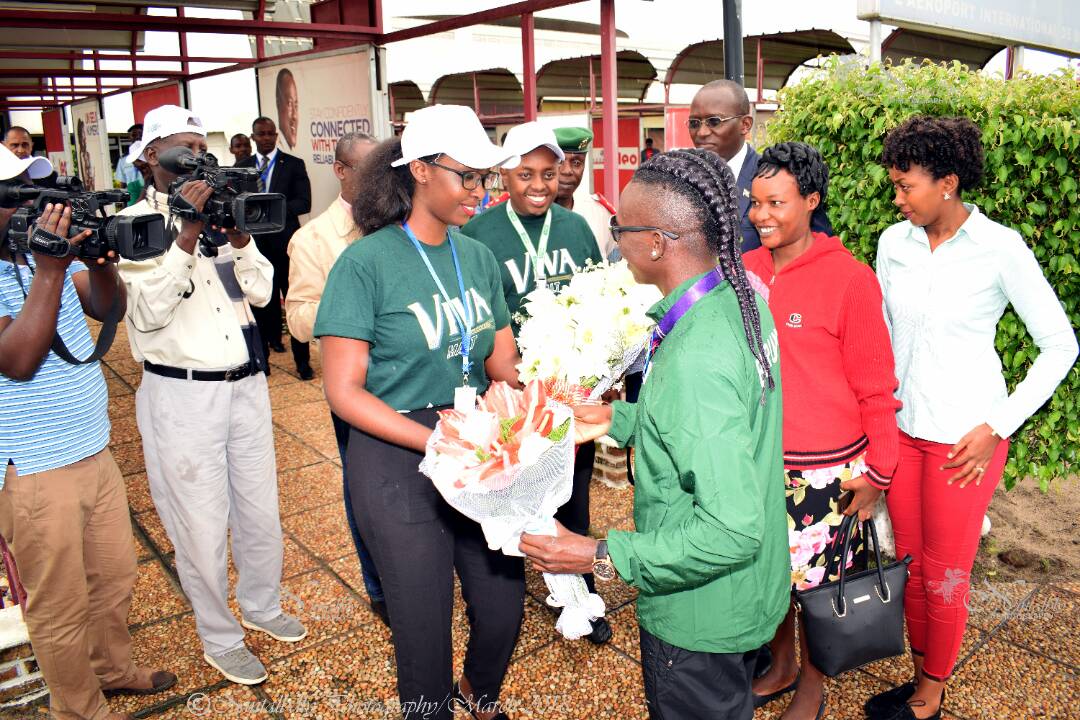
[315, 247]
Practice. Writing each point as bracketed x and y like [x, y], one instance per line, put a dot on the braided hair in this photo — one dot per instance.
[704, 180]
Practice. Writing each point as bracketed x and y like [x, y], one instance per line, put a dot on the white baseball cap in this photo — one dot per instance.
[12, 166]
[135, 152]
[166, 120]
[452, 130]
[524, 138]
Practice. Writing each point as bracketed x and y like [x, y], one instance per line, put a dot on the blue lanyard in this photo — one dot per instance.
[464, 323]
[266, 171]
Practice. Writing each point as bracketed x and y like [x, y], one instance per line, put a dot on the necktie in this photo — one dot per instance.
[263, 161]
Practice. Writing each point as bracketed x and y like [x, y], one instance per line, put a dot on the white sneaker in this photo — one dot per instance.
[284, 627]
[239, 665]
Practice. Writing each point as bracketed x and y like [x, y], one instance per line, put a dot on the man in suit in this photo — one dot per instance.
[282, 173]
[720, 121]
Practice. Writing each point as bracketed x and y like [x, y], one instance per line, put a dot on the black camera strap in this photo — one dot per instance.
[108, 325]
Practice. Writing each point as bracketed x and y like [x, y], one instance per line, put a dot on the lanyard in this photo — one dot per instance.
[464, 323]
[667, 323]
[265, 173]
[537, 254]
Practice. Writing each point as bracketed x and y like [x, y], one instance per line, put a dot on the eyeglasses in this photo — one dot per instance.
[342, 162]
[470, 179]
[617, 230]
[713, 121]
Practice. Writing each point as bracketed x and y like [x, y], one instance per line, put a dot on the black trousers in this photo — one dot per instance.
[269, 317]
[575, 513]
[417, 542]
[686, 685]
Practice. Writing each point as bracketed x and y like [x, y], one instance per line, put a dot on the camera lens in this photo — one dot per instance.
[253, 213]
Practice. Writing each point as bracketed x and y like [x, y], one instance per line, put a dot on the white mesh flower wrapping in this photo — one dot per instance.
[523, 499]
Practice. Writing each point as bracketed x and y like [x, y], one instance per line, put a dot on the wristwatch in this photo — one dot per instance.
[602, 567]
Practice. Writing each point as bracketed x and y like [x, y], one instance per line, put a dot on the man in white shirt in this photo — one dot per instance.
[312, 252]
[203, 410]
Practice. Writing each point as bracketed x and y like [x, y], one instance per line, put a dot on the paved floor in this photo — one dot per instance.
[1021, 656]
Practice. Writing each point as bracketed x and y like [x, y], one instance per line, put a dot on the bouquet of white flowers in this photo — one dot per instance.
[582, 339]
[508, 464]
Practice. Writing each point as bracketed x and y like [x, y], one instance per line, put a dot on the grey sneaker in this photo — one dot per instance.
[238, 665]
[284, 627]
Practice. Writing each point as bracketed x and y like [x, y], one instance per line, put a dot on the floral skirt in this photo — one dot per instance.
[813, 521]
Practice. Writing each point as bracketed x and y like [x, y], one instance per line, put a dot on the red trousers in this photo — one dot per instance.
[939, 526]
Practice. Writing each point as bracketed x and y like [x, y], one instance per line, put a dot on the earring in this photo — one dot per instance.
[653, 254]
[946, 196]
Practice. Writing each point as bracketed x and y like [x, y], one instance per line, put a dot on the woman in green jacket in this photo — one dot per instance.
[709, 556]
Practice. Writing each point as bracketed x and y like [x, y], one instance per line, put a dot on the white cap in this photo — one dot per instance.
[523, 139]
[135, 152]
[12, 166]
[452, 130]
[166, 120]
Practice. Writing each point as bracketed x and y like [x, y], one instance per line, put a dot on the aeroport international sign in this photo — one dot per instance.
[1052, 25]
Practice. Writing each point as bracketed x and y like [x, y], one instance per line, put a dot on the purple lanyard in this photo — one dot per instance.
[667, 323]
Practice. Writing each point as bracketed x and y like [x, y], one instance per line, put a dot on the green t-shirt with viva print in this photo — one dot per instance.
[570, 244]
[380, 291]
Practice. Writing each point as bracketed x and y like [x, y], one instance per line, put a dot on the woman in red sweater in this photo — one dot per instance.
[840, 437]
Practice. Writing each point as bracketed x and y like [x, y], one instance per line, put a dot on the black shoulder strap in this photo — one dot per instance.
[104, 341]
[105, 337]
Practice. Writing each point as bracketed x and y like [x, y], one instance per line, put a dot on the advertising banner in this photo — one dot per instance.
[314, 102]
[91, 146]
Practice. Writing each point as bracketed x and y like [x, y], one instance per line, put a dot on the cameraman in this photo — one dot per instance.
[203, 410]
[63, 506]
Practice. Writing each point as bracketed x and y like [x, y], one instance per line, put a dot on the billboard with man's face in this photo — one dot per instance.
[91, 146]
[313, 103]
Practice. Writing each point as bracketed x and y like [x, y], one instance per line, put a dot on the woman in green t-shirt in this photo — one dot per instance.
[412, 320]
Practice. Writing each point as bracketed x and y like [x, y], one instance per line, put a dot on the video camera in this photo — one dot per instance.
[230, 206]
[136, 237]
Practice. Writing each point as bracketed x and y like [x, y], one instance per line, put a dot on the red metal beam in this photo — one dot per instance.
[477, 18]
[52, 89]
[74, 73]
[105, 57]
[24, 104]
[528, 65]
[760, 74]
[182, 37]
[165, 23]
[260, 16]
[609, 78]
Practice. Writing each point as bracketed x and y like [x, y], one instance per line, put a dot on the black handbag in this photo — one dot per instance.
[857, 619]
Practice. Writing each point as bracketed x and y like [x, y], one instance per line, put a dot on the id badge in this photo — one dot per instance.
[465, 398]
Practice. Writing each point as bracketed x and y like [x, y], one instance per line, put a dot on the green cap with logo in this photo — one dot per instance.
[574, 139]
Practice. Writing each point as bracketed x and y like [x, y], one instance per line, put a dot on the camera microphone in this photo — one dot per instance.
[14, 194]
[179, 160]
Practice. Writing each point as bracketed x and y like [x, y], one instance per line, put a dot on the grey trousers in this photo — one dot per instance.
[209, 449]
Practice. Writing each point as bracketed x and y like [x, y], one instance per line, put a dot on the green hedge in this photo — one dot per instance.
[1031, 133]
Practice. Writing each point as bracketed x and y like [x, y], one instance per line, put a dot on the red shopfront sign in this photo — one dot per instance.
[629, 152]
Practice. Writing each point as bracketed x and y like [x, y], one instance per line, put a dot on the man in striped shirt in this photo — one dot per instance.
[63, 507]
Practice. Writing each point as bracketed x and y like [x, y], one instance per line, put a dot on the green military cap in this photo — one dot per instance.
[574, 139]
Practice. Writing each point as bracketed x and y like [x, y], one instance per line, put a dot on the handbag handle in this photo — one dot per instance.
[845, 535]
